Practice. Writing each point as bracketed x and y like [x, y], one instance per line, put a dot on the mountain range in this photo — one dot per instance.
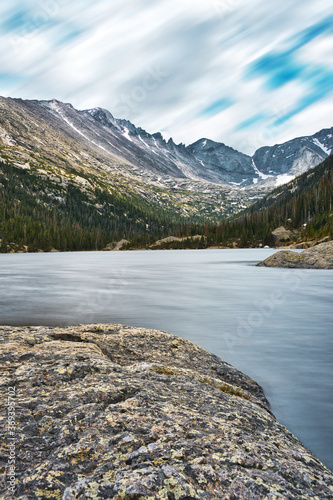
[206, 178]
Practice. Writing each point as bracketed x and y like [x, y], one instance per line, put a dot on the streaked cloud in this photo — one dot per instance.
[218, 106]
[325, 26]
[246, 73]
[253, 120]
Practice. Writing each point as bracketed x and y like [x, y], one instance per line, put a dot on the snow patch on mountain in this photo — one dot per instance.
[157, 144]
[126, 134]
[205, 160]
[143, 142]
[55, 106]
[283, 179]
[322, 146]
[257, 171]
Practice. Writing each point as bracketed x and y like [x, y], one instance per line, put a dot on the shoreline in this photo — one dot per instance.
[142, 250]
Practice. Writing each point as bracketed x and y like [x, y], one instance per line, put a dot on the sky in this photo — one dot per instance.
[246, 73]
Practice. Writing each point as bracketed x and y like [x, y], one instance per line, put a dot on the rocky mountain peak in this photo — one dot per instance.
[54, 103]
[110, 142]
[103, 116]
[158, 136]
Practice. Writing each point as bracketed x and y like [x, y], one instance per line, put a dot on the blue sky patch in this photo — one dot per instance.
[306, 36]
[280, 68]
[8, 80]
[26, 21]
[68, 35]
[15, 20]
[253, 120]
[217, 107]
[321, 85]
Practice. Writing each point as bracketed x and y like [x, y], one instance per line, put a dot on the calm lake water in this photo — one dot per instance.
[273, 324]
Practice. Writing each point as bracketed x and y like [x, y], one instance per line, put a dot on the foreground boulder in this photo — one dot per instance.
[106, 411]
[317, 257]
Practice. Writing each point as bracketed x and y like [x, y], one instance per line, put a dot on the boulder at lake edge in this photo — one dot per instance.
[317, 257]
[116, 246]
[114, 412]
[281, 234]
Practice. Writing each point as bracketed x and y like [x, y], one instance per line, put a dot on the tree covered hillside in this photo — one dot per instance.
[40, 213]
[304, 205]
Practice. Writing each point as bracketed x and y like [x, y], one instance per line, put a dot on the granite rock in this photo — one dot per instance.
[317, 257]
[114, 412]
[281, 234]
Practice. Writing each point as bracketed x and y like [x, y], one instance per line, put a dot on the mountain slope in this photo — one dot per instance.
[204, 180]
[304, 207]
[95, 138]
[76, 213]
[225, 163]
[215, 162]
[294, 157]
[41, 213]
[54, 139]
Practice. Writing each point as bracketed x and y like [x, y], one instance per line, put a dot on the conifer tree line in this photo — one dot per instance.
[303, 205]
[39, 214]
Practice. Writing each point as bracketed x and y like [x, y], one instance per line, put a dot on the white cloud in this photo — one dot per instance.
[161, 64]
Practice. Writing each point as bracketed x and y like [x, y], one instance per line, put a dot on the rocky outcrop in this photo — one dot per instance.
[304, 244]
[116, 246]
[172, 239]
[317, 257]
[308, 244]
[113, 412]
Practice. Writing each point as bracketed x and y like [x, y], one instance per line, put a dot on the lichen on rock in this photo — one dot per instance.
[114, 412]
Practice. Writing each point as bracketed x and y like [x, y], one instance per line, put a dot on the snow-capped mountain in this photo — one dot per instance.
[224, 163]
[51, 134]
[215, 162]
[282, 162]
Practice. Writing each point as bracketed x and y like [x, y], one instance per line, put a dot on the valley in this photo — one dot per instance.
[85, 180]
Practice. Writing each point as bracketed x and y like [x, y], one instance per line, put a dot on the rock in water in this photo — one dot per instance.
[113, 412]
[317, 257]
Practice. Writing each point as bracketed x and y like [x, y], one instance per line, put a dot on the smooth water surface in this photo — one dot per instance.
[273, 324]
